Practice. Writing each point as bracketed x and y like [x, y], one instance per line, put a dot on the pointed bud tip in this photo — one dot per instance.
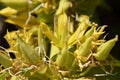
[116, 38]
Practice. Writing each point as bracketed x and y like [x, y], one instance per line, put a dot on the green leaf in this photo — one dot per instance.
[5, 60]
[28, 52]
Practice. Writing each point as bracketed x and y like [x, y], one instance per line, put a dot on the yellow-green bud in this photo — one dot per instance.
[84, 49]
[104, 49]
[88, 34]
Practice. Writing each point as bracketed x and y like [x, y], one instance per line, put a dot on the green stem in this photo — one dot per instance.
[84, 72]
